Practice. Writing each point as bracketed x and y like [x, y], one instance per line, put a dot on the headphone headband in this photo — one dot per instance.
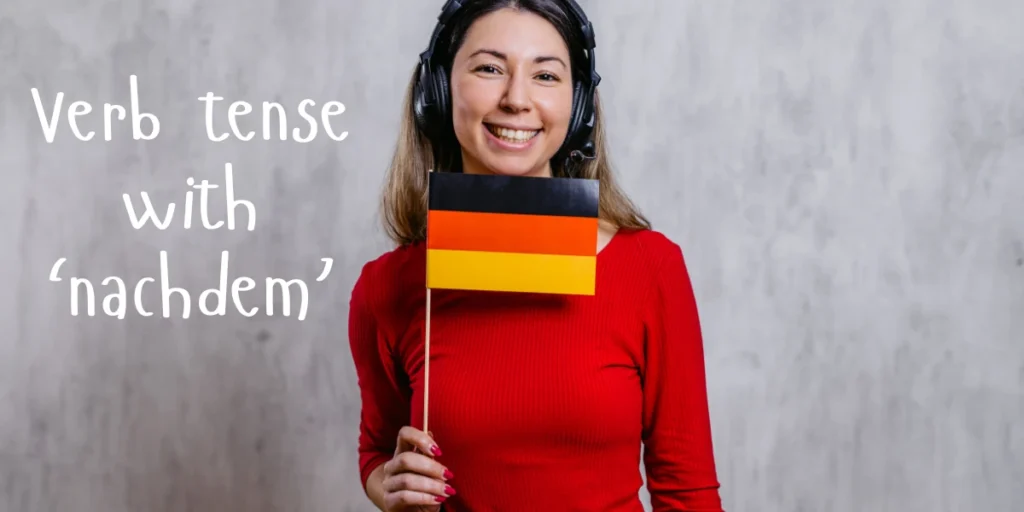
[451, 7]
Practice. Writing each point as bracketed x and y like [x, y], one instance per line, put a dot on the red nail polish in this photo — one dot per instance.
[448, 474]
[440, 499]
[449, 490]
[435, 450]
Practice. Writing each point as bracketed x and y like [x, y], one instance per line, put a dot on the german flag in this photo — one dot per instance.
[510, 233]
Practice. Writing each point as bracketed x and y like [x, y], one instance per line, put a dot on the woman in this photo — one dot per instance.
[537, 402]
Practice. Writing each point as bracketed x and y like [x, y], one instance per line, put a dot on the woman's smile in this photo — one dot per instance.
[511, 137]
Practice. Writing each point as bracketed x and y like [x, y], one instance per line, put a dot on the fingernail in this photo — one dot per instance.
[449, 490]
[448, 474]
[440, 499]
[435, 450]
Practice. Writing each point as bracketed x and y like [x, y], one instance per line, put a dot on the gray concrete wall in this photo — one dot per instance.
[845, 177]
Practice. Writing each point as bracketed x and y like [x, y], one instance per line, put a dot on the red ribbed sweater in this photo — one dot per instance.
[542, 402]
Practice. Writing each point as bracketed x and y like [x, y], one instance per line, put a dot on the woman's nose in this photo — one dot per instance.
[517, 94]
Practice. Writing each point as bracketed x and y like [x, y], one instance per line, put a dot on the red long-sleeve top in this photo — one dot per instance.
[542, 402]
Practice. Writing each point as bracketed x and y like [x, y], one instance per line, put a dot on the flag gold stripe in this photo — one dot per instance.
[511, 272]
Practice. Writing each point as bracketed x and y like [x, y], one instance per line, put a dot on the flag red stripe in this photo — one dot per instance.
[515, 233]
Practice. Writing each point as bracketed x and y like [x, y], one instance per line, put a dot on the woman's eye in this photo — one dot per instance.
[547, 77]
[487, 68]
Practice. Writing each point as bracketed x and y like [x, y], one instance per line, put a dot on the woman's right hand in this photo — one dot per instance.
[413, 480]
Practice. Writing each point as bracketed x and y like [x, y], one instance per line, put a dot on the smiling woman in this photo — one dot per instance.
[541, 401]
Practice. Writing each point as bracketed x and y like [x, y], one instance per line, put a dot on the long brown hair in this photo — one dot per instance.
[404, 201]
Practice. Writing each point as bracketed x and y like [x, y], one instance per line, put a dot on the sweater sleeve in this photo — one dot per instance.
[678, 455]
[384, 408]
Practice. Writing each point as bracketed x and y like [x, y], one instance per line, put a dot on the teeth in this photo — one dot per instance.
[513, 135]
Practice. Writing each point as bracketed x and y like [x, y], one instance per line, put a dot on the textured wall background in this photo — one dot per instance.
[845, 177]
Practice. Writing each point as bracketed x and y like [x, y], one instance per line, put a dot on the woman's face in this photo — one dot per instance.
[511, 94]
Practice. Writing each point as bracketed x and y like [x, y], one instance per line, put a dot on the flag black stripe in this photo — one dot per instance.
[513, 194]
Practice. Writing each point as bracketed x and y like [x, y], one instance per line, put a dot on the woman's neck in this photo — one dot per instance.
[470, 166]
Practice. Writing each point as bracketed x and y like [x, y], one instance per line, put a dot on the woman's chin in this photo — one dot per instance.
[517, 169]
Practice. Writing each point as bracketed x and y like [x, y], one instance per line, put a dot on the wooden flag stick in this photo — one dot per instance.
[426, 355]
[426, 369]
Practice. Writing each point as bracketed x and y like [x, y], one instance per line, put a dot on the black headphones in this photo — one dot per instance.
[432, 102]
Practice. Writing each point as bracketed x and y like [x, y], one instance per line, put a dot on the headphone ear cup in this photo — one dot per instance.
[422, 101]
[442, 115]
[587, 115]
[430, 103]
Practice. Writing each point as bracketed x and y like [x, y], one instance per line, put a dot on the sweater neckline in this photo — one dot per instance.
[611, 242]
